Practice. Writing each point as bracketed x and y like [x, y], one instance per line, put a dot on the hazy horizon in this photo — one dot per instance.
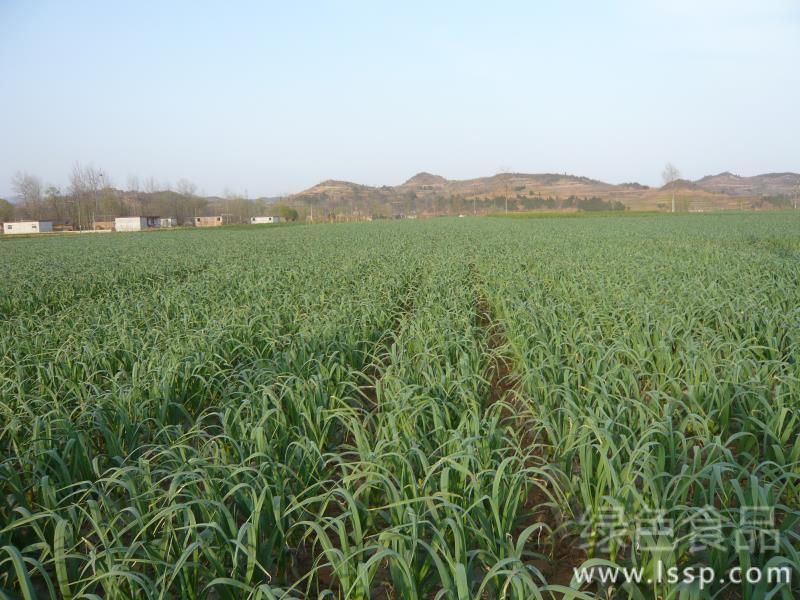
[272, 99]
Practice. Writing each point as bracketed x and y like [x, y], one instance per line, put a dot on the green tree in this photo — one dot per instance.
[6, 210]
[287, 213]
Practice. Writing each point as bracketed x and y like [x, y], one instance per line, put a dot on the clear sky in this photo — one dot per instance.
[273, 97]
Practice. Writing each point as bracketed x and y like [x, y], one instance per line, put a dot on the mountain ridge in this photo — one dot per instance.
[429, 193]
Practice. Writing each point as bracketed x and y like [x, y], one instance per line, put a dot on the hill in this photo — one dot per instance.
[768, 184]
[429, 194]
[425, 179]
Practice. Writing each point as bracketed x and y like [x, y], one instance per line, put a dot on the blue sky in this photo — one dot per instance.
[272, 97]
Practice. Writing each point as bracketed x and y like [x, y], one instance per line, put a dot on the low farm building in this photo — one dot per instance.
[136, 223]
[166, 222]
[263, 220]
[21, 227]
[103, 225]
[208, 221]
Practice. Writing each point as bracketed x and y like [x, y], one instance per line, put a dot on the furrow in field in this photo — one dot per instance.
[559, 555]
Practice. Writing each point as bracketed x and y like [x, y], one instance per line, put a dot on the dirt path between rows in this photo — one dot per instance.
[504, 387]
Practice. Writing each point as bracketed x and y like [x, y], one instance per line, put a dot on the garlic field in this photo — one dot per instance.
[446, 408]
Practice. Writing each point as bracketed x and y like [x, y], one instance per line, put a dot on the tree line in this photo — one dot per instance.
[92, 197]
[386, 203]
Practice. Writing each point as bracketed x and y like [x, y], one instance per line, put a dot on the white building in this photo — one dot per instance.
[27, 227]
[262, 220]
[136, 223]
[166, 222]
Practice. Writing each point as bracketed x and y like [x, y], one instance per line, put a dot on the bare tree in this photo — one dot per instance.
[185, 200]
[237, 208]
[54, 202]
[670, 175]
[85, 183]
[29, 190]
[186, 188]
[150, 185]
[77, 189]
[131, 199]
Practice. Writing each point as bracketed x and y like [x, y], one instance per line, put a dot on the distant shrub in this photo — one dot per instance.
[287, 213]
[595, 204]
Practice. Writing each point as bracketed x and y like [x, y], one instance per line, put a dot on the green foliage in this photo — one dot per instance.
[397, 409]
[594, 204]
[783, 201]
[6, 211]
[286, 213]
